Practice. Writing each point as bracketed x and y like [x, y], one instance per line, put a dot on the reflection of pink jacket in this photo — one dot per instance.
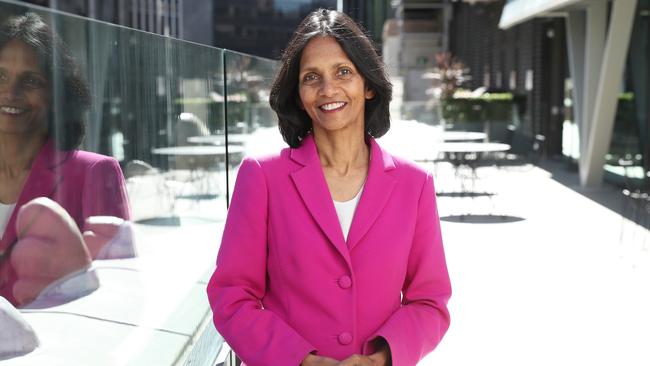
[84, 183]
[287, 283]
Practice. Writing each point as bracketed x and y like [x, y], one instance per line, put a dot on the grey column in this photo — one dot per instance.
[606, 101]
[575, 23]
[596, 28]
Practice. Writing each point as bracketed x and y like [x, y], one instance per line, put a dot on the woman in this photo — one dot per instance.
[42, 102]
[323, 238]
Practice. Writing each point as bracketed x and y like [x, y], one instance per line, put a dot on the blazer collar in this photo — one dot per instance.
[42, 181]
[311, 184]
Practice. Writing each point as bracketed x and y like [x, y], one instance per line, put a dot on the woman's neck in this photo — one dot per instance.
[342, 152]
[17, 153]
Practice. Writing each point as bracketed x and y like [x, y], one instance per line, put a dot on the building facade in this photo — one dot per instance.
[528, 60]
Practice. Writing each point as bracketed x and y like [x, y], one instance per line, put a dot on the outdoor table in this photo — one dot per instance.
[458, 136]
[196, 161]
[469, 154]
[233, 138]
[472, 147]
[197, 150]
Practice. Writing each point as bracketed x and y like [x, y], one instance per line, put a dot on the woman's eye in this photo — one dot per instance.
[345, 72]
[309, 77]
[33, 82]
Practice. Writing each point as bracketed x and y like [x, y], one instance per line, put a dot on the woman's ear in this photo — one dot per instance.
[369, 93]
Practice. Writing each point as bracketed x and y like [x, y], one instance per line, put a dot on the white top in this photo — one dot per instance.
[345, 212]
[5, 214]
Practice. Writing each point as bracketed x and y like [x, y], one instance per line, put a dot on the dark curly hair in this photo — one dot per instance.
[294, 122]
[70, 93]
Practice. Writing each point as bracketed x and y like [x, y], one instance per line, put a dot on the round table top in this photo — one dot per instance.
[196, 150]
[472, 147]
[236, 138]
[463, 136]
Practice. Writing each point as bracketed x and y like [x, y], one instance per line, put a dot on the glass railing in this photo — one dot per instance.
[135, 141]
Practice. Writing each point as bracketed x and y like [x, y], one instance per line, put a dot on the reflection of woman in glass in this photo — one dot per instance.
[42, 101]
[332, 251]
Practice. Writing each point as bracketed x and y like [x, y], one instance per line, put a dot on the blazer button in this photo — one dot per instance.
[345, 338]
[345, 282]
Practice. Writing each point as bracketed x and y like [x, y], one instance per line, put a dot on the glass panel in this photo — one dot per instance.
[252, 124]
[112, 267]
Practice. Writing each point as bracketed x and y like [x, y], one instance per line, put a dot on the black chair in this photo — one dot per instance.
[635, 197]
[538, 149]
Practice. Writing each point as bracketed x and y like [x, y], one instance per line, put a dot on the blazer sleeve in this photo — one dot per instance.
[258, 336]
[104, 191]
[418, 326]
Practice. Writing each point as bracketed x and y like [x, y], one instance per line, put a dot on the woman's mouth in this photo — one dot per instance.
[11, 110]
[332, 107]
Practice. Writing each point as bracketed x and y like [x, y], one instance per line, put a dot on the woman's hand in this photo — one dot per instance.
[313, 360]
[358, 360]
[381, 357]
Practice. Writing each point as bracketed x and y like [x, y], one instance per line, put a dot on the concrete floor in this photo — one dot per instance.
[562, 280]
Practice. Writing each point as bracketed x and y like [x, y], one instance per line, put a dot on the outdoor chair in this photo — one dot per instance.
[635, 200]
[538, 149]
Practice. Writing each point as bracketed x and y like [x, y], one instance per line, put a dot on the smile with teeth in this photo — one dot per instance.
[332, 106]
[11, 110]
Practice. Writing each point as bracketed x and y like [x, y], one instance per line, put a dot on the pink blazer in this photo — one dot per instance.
[287, 283]
[84, 183]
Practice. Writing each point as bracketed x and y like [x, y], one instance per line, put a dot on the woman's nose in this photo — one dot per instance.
[9, 90]
[328, 87]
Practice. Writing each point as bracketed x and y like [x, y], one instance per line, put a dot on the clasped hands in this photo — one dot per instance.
[380, 358]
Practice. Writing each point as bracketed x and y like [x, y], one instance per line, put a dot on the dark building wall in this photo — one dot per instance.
[197, 21]
[506, 61]
[371, 14]
[260, 27]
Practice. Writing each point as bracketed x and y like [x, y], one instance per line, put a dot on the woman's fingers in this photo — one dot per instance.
[357, 360]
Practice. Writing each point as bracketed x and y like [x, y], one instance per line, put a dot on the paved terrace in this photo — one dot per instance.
[553, 283]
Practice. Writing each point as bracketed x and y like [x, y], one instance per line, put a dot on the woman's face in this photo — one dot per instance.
[332, 91]
[24, 91]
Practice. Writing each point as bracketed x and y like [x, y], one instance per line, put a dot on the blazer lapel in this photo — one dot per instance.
[42, 181]
[376, 192]
[310, 182]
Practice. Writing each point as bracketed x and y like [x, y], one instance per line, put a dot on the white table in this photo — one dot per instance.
[208, 150]
[199, 159]
[472, 147]
[236, 138]
[457, 136]
[468, 154]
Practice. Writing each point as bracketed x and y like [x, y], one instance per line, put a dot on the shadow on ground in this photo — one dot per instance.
[482, 219]
[464, 194]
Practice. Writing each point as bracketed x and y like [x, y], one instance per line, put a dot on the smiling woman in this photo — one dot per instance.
[332, 252]
[45, 183]
[332, 91]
